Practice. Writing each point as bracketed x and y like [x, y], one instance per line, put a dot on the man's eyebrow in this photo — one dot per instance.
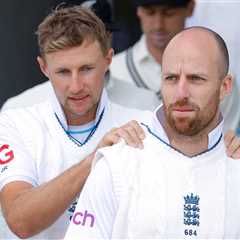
[188, 74]
[199, 74]
[170, 73]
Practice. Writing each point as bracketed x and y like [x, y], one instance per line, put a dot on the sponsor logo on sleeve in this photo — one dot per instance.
[83, 218]
[6, 154]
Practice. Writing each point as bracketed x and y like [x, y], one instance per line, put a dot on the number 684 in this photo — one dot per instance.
[190, 232]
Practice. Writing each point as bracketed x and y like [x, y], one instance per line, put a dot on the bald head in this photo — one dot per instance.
[205, 41]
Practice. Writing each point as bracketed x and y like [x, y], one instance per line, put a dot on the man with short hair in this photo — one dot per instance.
[160, 20]
[118, 91]
[181, 184]
[44, 148]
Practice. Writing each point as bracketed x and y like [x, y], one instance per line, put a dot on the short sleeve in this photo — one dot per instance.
[96, 208]
[16, 162]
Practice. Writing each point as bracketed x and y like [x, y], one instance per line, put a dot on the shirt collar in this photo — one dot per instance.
[213, 136]
[60, 113]
[141, 52]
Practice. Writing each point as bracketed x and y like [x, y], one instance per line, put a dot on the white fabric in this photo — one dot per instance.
[128, 95]
[145, 190]
[146, 65]
[29, 97]
[98, 200]
[42, 149]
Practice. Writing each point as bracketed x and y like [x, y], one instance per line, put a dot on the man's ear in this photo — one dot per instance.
[43, 66]
[190, 8]
[109, 56]
[139, 11]
[226, 86]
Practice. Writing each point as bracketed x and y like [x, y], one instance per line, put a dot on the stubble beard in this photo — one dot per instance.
[191, 126]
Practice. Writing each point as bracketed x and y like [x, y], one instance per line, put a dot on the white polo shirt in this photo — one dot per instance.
[146, 66]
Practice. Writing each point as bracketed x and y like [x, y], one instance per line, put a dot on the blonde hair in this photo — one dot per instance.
[68, 27]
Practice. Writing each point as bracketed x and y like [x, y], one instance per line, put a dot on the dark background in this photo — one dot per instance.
[18, 43]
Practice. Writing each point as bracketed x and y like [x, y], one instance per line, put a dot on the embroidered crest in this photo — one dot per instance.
[191, 213]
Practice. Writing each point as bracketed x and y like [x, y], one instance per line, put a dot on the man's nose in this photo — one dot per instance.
[182, 90]
[76, 83]
[159, 21]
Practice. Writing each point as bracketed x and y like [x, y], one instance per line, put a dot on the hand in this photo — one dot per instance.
[232, 143]
[131, 132]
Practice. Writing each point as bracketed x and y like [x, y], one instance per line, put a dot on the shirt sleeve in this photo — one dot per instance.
[16, 162]
[96, 209]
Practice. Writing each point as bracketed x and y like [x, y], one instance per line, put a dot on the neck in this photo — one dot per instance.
[155, 52]
[190, 145]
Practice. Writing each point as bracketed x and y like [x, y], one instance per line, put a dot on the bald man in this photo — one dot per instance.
[182, 184]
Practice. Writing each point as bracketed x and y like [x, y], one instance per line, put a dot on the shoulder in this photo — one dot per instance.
[121, 92]
[124, 114]
[121, 156]
[25, 117]
[29, 97]
[117, 156]
[118, 67]
[119, 58]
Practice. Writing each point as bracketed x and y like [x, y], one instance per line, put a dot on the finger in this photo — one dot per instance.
[233, 146]
[109, 139]
[138, 129]
[236, 154]
[113, 137]
[123, 133]
[131, 130]
[135, 131]
[228, 137]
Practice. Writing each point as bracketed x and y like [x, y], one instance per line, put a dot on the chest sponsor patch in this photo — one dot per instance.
[6, 154]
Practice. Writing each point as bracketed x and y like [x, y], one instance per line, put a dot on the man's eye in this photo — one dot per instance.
[86, 69]
[170, 78]
[196, 78]
[169, 13]
[63, 71]
[150, 12]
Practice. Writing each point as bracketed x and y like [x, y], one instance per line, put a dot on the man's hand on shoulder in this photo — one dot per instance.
[131, 132]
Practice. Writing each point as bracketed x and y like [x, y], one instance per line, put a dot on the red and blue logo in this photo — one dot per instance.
[6, 154]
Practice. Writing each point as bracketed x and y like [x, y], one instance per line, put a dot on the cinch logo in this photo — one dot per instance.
[81, 218]
[7, 154]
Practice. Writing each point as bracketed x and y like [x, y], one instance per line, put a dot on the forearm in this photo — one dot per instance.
[35, 209]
